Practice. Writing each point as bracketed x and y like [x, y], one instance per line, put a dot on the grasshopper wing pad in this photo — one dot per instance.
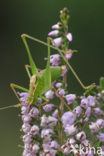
[44, 82]
[55, 73]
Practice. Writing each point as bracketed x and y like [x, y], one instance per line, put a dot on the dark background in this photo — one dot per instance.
[35, 17]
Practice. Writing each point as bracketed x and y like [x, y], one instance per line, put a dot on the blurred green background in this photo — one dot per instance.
[35, 17]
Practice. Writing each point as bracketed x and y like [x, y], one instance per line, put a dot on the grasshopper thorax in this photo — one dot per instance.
[32, 88]
[33, 80]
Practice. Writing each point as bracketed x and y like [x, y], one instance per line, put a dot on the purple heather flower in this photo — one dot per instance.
[93, 127]
[70, 98]
[61, 91]
[65, 149]
[25, 109]
[49, 94]
[86, 119]
[100, 136]
[55, 113]
[97, 111]
[91, 100]
[35, 148]
[53, 33]
[46, 132]
[55, 59]
[34, 130]
[27, 139]
[88, 111]
[44, 121]
[28, 147]
[85, 143]
[58, 85]
[24, 96]
[55, 26]
[68, 118]
[46, 146]
[26, 127]
[26, 118]
[100, 123]
[81, 136]
[69, 37]
[53, 152]
[57, 41]
[54, 144]
[68, 56]
[84, 103]
[34, 112]
[30, 154]
[25, 152]
[48, 107]
[52, 121]
[71, 141]
[78, 110]
[70, 130]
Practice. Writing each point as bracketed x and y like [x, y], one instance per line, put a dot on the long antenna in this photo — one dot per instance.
[61, 53]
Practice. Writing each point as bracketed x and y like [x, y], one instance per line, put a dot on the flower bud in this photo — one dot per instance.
[48, 107]
[57, 41]
[53, 33]
[81, 136]
[55, 59]
[56, 26]
[69, 37]
[97, 111]
[58, 85]
[78, 110]
[35, 148]
[70, 98]
[49, 94]
[34, 130]
[26, 118]
[84, 103]
[70, 130]
[27, 138]
[68, 56]
[26, 127]
[34, 112]
[52, 121]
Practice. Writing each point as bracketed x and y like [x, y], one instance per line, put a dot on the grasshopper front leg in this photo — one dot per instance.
[13, 86]
[11, 106]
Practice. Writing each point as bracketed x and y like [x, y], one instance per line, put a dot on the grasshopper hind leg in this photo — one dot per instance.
[61, 98]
